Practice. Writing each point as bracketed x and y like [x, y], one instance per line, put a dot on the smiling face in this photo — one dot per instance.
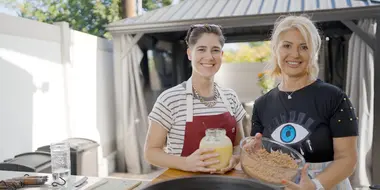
[206, 55]
[293, 54]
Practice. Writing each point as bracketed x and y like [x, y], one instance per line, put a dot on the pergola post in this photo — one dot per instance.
[120, 164]
[180, 62]
[376, 121]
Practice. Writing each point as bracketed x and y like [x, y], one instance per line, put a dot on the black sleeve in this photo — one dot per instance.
[343, 122]
[256, 123]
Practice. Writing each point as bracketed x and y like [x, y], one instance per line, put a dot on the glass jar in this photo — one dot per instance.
[217, 139]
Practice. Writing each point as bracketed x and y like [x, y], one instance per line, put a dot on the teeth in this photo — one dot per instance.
[207, 65]
[293, 63]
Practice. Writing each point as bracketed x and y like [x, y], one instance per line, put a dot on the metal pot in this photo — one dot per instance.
[209, 182]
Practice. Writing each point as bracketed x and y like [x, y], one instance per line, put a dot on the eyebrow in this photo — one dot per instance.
[206, 47]
[292, 43]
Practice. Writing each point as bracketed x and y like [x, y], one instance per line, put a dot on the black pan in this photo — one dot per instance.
[209, 182]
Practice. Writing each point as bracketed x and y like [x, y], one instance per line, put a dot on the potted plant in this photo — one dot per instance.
[265, 81]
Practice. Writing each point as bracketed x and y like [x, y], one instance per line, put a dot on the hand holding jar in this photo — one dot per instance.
[217, 139]
[200, 160]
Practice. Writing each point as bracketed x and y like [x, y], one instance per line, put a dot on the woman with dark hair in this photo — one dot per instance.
[182, 114]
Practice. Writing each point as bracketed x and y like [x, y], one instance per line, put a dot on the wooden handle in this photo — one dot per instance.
[134, 186]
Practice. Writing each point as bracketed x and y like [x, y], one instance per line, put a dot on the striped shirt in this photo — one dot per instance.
[169, 111]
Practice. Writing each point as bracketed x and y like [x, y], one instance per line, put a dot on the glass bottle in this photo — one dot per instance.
[217, 139]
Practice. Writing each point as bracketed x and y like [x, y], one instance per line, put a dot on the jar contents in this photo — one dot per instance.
[217, 139]
[270, 167]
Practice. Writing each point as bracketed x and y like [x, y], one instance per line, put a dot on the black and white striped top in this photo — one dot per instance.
[170, 112]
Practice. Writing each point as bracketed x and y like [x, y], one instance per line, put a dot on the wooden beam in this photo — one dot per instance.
[130, 8]
[246, 38]
[368, 39]
[175, 62]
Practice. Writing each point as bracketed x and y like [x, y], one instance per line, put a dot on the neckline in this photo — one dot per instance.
[205, 98]
[303, 88]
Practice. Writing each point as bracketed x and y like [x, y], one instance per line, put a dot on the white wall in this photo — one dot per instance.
[55, 83]
[91, 93]
[29, 58]
[241, 77]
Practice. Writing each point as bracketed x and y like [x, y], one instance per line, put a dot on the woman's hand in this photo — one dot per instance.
[233, 162]
[254, 145]
[198, 161]
[305, 182]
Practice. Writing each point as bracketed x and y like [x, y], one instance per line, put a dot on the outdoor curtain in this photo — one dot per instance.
[360, 89]
[131, 115]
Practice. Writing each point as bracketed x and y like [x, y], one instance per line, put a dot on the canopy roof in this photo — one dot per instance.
[242, 13]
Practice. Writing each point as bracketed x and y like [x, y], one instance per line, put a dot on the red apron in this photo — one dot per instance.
[195, 128]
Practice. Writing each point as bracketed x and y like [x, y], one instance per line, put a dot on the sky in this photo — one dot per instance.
[5, 10]
[175, 2]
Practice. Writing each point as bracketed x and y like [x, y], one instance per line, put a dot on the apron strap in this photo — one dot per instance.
[225, 101]
[189, 101]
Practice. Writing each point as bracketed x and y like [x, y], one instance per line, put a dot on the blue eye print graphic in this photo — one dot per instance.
[289, 133]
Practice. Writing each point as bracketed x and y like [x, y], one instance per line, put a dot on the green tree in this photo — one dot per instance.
[256, 44]
[89, 16]
[155, 4]
[252, 52]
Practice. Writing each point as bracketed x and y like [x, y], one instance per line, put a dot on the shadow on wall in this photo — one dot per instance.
[33, 47]
[16, 102]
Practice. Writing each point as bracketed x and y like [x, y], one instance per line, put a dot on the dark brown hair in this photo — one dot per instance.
[196, 31]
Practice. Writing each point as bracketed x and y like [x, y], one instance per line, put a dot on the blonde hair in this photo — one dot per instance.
[308, 30]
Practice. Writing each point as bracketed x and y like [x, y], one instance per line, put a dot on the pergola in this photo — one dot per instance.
[243, 21]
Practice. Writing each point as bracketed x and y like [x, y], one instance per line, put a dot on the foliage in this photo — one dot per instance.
[265, 81]
[252, 52]
[155, 4]
[248, 53]
[89, 16]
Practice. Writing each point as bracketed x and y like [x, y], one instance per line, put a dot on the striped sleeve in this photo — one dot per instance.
[239, 111]
[161, 114]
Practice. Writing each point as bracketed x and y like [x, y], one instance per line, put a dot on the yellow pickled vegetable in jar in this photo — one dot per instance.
[217, 139]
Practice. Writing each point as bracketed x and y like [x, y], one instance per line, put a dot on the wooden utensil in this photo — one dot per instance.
[134, 186]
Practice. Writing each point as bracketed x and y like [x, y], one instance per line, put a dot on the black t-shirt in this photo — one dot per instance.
[308, 121]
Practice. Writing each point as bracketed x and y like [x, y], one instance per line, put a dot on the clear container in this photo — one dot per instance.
[286, 162]
[217, 139]
[60, 161]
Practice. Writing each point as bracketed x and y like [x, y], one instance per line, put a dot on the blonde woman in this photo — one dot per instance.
[311, 116]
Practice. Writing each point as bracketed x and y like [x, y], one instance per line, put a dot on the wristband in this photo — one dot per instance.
[318, 185]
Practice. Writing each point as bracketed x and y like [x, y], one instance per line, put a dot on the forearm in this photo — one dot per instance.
[158, 157]
[336, 172]
[236, 152]
[239, 137]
